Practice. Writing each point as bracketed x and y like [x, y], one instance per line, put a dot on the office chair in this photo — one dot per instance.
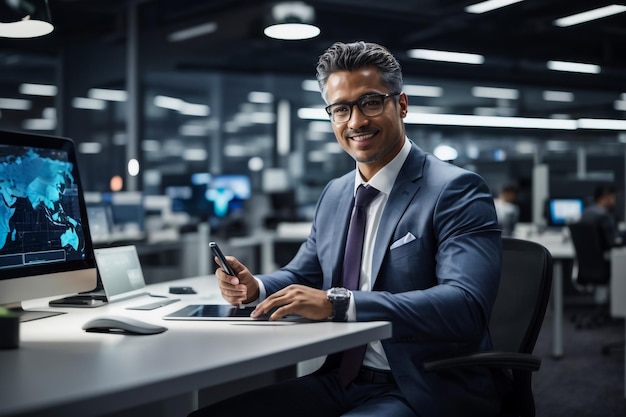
[515, 322]
[592, 268]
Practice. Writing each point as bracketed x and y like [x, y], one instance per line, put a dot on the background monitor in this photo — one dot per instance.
[189, 195]
[561, 211]
[127, 210]
[228, 193]
[45, 244]
[100, 221]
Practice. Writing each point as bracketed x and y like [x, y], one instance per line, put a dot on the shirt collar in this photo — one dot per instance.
[384, 179]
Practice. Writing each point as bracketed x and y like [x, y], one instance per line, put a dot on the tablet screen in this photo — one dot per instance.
[218, 312]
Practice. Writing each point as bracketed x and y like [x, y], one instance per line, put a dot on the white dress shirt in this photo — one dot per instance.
[383, 181]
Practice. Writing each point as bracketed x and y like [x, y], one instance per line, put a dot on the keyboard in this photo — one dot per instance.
[155, 304]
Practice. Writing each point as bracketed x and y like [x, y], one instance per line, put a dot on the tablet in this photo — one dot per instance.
[220, 312]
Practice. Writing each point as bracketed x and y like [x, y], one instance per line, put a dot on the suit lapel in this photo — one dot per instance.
[404, 189]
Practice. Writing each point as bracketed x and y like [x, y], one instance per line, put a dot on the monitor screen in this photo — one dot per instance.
[45, 244]
[127, 210]
[228, 192]
[188, 194]
[100, 218]
[562, 211]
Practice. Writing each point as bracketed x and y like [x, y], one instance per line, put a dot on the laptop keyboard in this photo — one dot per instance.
[155, 304]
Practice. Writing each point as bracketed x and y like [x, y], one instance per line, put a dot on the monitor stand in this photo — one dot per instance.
[30, 315]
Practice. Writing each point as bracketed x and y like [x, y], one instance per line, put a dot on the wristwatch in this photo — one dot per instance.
[340, 299]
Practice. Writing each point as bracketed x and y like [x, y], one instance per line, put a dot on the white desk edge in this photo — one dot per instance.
[61, 368]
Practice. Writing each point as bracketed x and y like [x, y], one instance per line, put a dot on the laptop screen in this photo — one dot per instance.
[120, 272]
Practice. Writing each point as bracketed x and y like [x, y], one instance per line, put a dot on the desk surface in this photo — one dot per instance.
[61, 370]
[558, 244]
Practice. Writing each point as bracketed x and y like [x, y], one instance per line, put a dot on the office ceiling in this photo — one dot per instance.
[516, 40]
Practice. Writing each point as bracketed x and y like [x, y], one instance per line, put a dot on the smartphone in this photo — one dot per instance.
[221, 258]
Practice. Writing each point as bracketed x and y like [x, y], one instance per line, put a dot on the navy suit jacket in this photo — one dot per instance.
[437, 290]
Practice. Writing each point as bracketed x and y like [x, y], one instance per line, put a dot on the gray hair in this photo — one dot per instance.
[353, 56]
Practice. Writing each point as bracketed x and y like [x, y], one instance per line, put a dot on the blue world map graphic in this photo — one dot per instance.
[35, 187]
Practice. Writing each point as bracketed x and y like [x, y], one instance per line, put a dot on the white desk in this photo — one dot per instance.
[61, 370]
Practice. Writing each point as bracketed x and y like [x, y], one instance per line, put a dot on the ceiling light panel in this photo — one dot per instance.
[489, 5]
[192, 32]
[446, 56]
[423, 90]
[494, 92]
[590, 15]
[561, 96]
[573, 67]
[38, 89]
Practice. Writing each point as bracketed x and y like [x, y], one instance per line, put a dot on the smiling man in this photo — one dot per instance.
[427, 259]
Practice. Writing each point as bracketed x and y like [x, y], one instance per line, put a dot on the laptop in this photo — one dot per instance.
[120, 272]
[122, 277]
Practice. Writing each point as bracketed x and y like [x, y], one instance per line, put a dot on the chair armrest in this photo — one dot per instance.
[502, 360]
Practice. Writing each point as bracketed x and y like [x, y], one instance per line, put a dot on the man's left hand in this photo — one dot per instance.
[297, 299]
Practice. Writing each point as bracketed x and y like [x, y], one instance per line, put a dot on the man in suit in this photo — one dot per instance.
[430, 264]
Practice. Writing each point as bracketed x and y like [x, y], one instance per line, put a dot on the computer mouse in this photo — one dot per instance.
[122, 325]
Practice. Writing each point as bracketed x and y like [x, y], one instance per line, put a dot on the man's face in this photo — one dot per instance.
[371, 141]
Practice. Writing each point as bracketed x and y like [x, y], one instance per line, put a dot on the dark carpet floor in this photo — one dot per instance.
[584, 382]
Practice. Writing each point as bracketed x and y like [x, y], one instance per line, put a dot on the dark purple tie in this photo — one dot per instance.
[352, 358]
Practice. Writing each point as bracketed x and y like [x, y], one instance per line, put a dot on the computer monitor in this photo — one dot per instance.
[45, 244]
[189, 195]
[561, 211]
[127, 210]
[228, 192]
[100, 216]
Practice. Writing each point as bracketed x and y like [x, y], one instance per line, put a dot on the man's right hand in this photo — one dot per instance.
[239, 289]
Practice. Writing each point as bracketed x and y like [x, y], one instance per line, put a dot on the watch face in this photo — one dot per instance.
[338, 293]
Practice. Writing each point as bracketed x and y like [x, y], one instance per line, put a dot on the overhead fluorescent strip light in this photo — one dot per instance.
[489, 121]
[562, 96]
[88, 103]
[446, 56]
[107, 94]
[422, 90]
[489, 5]
[15, 104]
[192, 32]
[311, 85]
[573, 67]
[493, 92]
[39, 124]
[602, 124]
[595, 14]
[38, 89]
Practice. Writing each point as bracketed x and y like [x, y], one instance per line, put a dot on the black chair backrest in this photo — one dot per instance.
[594, 266]
[523, 295]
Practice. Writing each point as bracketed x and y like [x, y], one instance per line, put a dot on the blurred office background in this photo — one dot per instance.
[163, 96]
[191, 123]
[186, 113]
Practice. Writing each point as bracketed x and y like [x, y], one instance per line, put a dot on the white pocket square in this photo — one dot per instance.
[403, 241]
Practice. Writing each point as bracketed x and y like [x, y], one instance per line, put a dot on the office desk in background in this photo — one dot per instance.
[562, 250]
[61, 370]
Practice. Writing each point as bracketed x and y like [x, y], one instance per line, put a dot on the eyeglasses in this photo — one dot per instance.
[370, 105]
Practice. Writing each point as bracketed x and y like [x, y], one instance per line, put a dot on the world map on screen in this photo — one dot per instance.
[38, 199]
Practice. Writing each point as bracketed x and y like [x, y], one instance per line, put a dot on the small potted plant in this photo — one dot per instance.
[9, 329]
